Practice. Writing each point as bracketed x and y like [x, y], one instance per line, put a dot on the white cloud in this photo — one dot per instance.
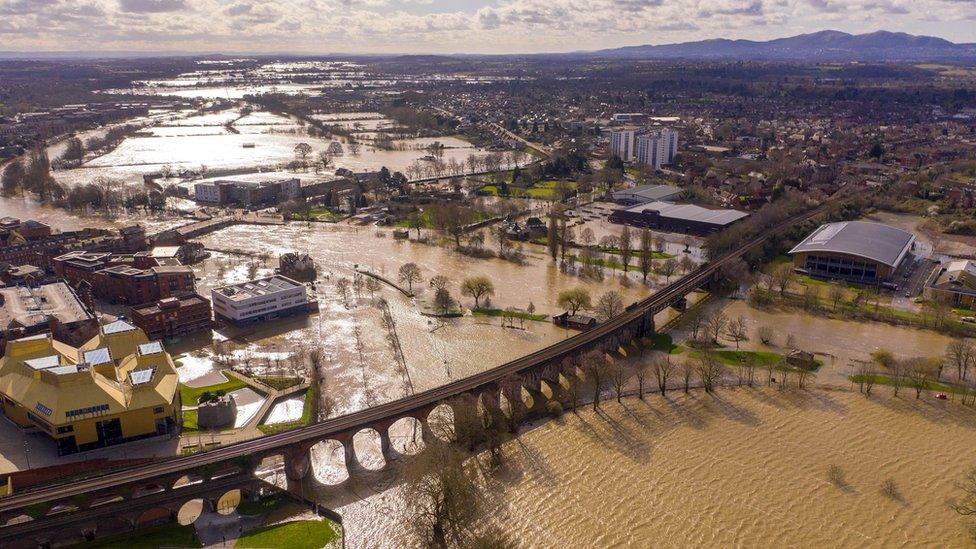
[420, 26]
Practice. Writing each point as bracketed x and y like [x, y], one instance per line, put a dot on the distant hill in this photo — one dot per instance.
[823, 45]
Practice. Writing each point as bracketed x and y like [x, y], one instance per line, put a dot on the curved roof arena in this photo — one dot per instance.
[874, 241]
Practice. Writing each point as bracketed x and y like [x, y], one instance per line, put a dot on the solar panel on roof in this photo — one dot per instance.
[98, 356]
[116, 327]
[141, 377]
[44, 362]
[150, 348]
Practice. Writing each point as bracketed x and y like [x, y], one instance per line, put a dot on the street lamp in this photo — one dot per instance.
[27, 453]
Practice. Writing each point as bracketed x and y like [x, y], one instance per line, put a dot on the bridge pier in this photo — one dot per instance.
[298, 461]
[386, 446]
[349, 453]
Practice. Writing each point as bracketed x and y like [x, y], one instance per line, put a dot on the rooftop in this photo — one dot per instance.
[649, 193]
[691, 212]
[257, 288]
[25, 307]
[874, 241]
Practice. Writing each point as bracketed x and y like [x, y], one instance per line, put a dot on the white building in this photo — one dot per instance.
[622, 144]
[657, 148]
[260, 300]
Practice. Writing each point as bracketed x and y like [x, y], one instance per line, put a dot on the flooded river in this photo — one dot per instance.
[746, 468]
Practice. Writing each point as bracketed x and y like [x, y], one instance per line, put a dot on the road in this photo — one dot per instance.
[356, 421]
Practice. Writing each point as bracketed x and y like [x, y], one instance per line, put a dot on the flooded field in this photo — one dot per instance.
[838, 343]
[743, 468]
[436, 351]
[260, 140]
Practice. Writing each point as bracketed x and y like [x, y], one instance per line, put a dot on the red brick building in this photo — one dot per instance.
[174, 316]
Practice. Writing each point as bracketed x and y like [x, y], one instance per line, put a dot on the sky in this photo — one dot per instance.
[449, 26]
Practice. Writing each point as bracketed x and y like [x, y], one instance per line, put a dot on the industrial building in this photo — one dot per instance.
[677, 218]
[856, 251]
[261, 300]
[645, 194]
[115, 388]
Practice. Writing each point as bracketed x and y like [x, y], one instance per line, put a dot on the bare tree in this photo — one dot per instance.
[715, 325]
[835, 294]
[965, 505]
[641, 369]
[765, 334]
[668, 268]
[960, 353]
[646, 257]
[919, 371]
[626, 247]
[663, 368]
[618, 376]
[441, 496]
[439, 282]
[709, 370]
[372, 286]
[596, 370]
[410, 273]
[737, 330]
[609, 304]
[783, 277]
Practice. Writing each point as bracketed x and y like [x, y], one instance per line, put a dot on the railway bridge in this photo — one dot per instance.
[30, 517]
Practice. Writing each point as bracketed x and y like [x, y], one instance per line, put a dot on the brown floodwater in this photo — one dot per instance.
[840, 343]
[745, 468]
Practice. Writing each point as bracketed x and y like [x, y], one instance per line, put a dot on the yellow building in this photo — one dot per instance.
[115, 388]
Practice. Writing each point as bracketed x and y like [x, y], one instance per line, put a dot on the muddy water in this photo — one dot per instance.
[361, 369]
[839, 342]
[747, 468]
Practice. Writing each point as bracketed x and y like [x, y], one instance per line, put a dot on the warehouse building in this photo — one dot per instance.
[677, 218]
[115, 388]
[645, 194]
[856, 251]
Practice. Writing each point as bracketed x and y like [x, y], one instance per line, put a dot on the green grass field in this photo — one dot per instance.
[299, 534]
[732, 357]
[662, 342]
[305, 419]
[167, 535]
[191, 395]
[518, 314]
[934, 386]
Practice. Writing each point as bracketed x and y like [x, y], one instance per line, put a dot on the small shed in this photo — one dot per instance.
[576, 322]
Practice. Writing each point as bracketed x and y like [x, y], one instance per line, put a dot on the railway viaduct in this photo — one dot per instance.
[527, 384]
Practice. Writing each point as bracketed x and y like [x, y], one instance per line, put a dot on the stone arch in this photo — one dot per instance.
[328, 462]
[153, 517]
[440, 423]
[367, 449]
[227, 503]
[407, 435]
[188, 479]
[190, 511]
